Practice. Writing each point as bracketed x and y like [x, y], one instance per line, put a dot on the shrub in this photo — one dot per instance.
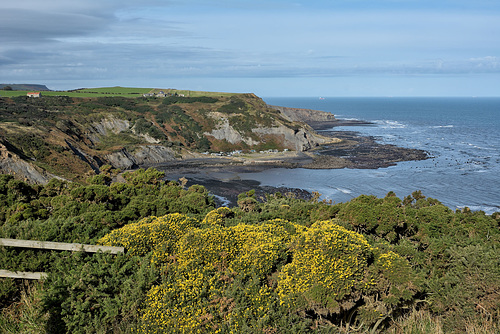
[335, 272]
[145, 127]
[99, 293]
[216, 282]
[235, 105]
[327, 270]
[217, 216]
[182, 99]
[145, 236]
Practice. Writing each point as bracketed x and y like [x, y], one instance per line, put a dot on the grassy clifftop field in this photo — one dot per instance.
[133, 92]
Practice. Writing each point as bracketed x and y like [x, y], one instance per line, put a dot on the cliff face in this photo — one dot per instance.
[225, 131]
[305, 115]
[299, 138]
[74, 137]
[11, 163]
[34, 87]
[296, 139]
[143, 155]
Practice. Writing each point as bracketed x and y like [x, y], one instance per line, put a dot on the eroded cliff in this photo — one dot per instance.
[74, 137]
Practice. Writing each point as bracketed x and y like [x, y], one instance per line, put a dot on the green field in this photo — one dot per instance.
[114, 91]
[191, 93]
[122, 91]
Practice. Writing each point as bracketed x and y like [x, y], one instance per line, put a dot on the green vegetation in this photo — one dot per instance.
[185, 128]
[272, 265]
[72, 136]
[181, 99]
[143, 126]
[129, 92]
[192, 93]
[125, 91]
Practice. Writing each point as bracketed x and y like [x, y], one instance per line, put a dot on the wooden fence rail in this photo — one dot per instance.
[22, 274]
[49, 245]
[59, 246]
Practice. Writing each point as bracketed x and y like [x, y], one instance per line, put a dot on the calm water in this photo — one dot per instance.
[461, 134]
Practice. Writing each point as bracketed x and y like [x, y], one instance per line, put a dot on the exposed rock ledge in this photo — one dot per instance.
[226, 132]
[304, 115]
[300, 139]
[11, 163]
[144, 155]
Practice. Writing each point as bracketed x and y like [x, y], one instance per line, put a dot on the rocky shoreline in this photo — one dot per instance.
[359, 152]
[220, 174]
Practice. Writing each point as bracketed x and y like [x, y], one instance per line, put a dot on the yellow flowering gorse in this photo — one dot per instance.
[328, 259]
[217, 216]
[208, 267]
[151, 233]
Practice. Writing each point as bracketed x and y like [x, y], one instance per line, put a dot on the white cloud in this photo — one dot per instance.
[78, 40]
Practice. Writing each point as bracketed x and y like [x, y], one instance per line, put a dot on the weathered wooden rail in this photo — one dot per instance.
[49, 245]
[60, 246]
[22, 274]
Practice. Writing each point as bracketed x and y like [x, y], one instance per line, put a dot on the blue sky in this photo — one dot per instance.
[271, 48]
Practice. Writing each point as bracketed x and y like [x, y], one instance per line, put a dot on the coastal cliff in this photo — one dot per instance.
[73, 137]
[305, 115]
[11, 163]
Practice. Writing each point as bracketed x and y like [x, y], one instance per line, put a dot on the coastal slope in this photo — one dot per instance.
[308, 116]
[74, 137]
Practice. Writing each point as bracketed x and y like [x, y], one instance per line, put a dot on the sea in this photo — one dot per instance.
[461, 136]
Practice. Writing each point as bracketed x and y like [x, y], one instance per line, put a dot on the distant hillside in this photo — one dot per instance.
[25, 87]
[132, 92]
[74, 136]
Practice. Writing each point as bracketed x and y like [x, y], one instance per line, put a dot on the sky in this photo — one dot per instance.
[266, 47]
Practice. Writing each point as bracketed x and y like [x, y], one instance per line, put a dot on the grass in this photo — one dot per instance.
[120, 91]
[192, 93]
[13, 93]
[114, 91]
[114, 141]
[25, 316]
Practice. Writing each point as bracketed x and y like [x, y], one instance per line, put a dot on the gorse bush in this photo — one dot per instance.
[275, 269]
[152, 234]
[63, 211]
[335, 271]
[104, 205]
[328, 267]
[213, 263]
[236, 248]
[217, 216]
[275, 264]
